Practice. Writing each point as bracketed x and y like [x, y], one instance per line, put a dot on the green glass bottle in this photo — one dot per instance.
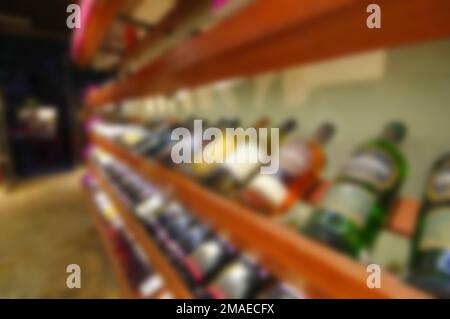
[356, 204]
[430, 260]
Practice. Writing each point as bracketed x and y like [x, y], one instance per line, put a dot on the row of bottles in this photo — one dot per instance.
[301, 160]
[141, 276]
[209, 264]
[355, 207]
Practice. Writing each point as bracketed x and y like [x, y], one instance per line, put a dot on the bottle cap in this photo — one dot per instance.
[325, 132]
[234, 122]
[289, 125]
[395, 132]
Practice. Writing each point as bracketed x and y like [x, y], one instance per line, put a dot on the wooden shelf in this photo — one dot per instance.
[269, 35]
[163, 266]
[287, 254]
[123, 281]
[96, 17]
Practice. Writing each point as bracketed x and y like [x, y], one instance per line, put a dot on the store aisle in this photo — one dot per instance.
[44, 226]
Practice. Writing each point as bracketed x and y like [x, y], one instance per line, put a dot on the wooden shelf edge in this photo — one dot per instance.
[291, 255]
[173, 282]
[97, 17]
[236, 47]
[122, 279]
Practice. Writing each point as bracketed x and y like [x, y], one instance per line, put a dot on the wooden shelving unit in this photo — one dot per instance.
[123, 281]
[163, 266]
[269, 35]
[287, 254]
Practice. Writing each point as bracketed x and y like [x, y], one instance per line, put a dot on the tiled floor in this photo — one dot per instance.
[45, 226]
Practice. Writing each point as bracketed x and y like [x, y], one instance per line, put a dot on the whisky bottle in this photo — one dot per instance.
[301, 162]
[430, 261]
[355, 206]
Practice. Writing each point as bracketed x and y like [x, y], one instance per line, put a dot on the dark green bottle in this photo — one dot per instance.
[354, 208]
[430, 260]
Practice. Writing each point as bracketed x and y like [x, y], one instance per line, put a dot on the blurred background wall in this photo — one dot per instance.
[359, 94]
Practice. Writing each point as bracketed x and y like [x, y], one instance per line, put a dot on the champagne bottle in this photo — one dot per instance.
[354, 208]
[430, 262]
[301, 162]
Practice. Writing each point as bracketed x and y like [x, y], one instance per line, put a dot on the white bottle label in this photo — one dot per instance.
[270, 188]
[350, 201]
[233, 280]
[436, 231]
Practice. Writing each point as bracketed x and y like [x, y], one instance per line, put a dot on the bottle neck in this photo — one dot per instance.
[394, 133]
[323, 134]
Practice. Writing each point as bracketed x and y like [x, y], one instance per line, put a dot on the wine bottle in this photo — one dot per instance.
[243, 163]
[217, 150]
[132, 136]
[207, 259]
[238, 280]
[198, 147]
[355, 206]
[179, 225]
[301, 163]
[156, 140]
[430, 261]
[278, 290]
[194, 236]
[164, 156]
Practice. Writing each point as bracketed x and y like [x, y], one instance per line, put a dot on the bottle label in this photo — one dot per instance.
[234, 280]
[270, 188]
[372, 166]
[207, 255]
[149, 206]
[132, 138]
[436, 231]
[243, 162]
[295, 158]
[349, 200]
[439, 184]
